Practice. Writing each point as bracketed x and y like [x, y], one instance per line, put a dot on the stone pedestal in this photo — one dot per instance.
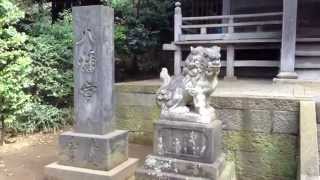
[92, 157]
[94, 150]
[186, 150]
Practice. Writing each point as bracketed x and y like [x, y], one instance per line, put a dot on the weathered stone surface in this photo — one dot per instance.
[317, 100]
[139, 121]
[277, 150]
[93, 151]
[231, 118]
[189, 141]
[257, 121]
[226, 173]
[98, 152]
[249, 120]
[255, 103]
[273, 104]
[262, 155]
[187, 95]
[142, 174]
[309, 157]
[125, 171]
[227, 102]
[135, 99]
[285, 122]
[94, 69]
[145, 89]
[155, 164]
[264, 165]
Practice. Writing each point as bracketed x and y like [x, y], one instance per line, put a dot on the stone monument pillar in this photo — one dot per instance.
[93, 150]
[187, 139]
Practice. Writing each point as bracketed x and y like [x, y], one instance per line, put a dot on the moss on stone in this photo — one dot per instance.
[139, 121]
[127, 88]
[258, 156]
[263, 155]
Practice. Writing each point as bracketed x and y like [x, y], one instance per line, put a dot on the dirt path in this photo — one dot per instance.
[25, 159]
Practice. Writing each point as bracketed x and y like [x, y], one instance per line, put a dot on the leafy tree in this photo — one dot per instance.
[15, 65]
[142, 27]
[35, 70]
[52, 69]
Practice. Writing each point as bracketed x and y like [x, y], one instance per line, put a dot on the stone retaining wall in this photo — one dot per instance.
[260, 134]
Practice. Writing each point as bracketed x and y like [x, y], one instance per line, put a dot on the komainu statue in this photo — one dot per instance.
[186, 97]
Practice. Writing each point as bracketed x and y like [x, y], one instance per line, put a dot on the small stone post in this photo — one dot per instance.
[177, 33]
[93, 150]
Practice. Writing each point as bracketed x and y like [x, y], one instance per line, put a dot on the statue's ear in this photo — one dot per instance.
[216, 48]
[191, 48]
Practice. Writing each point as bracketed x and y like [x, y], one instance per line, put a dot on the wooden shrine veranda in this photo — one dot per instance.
[267, 30]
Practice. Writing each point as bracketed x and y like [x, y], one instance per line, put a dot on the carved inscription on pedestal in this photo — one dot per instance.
[182, 142]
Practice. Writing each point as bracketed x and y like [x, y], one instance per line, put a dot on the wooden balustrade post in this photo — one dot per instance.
[226, 10]
[288, 47]
[177, 33]
[230, 27]
[230, 63]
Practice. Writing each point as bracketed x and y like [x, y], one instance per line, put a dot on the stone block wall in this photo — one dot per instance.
[260, 134]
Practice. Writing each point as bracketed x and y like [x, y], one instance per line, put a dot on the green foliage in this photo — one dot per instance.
[39, 117]
[35, 71]
[36, 57]
[139, 31]
[15, 64]
[51, 50]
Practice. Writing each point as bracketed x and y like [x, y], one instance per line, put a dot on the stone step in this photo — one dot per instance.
[143, 174]
[318, 129]
[182, 167]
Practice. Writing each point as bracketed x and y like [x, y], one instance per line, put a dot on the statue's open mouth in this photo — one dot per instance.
[215, 64]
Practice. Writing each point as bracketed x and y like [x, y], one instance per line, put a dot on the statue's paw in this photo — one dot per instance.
[180, 110]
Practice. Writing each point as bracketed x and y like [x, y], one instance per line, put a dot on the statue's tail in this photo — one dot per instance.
[165, 77]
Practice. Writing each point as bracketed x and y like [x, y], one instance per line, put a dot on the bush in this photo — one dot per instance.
[15, 64]
[36, 66]
[51, 49]
[38, 117]
[140, 31]
[35, 70]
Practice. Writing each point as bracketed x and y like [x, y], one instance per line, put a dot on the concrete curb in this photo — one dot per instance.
[309, 157]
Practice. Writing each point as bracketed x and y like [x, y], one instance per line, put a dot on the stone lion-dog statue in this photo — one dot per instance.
[186, 97]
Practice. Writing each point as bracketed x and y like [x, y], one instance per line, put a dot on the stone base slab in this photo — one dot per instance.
[124, 171]
[98, 152]
[157, 166]
[227, 173]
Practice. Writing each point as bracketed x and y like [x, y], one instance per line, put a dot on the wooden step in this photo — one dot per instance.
[307, 62]
[299, 40]
[308, 53]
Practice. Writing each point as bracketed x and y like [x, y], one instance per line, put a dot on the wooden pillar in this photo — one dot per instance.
[226, 10]
[177, 33]
[230, 63]
[289, 33]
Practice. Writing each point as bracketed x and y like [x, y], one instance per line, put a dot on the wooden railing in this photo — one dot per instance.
[227, 27]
